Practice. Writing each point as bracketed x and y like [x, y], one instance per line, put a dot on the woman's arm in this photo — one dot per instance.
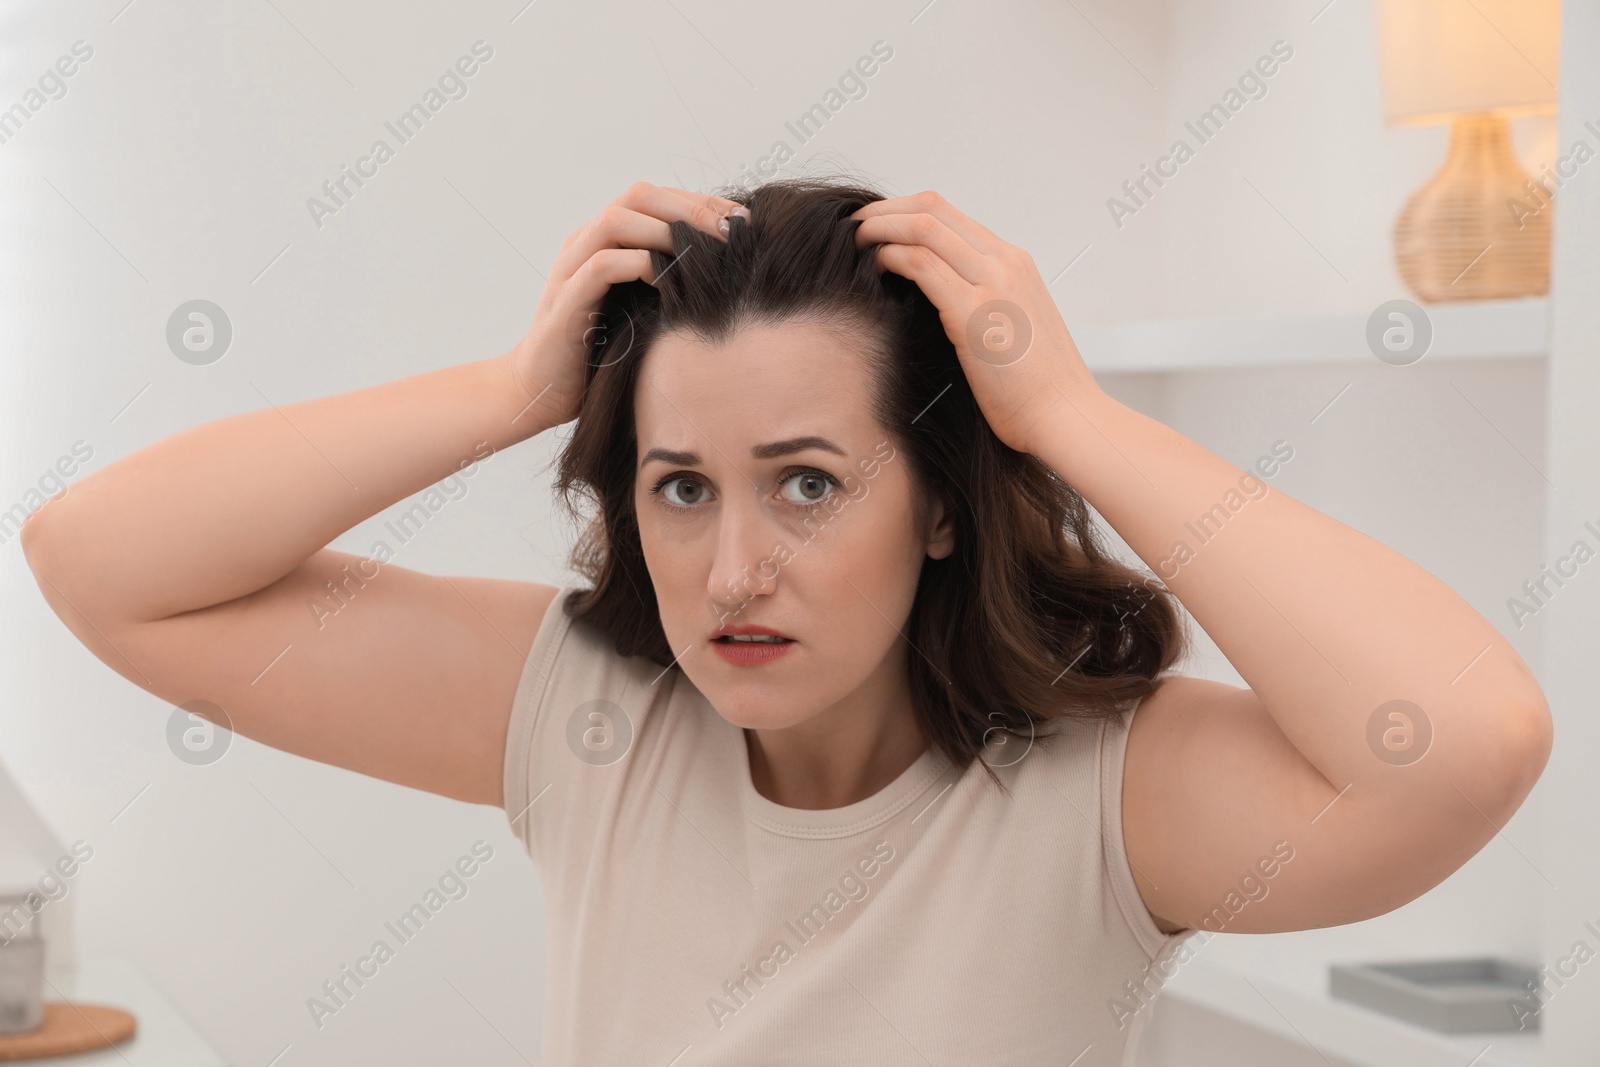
[229, 507]
[1328, 627]
[196, 568]
[1377, 801]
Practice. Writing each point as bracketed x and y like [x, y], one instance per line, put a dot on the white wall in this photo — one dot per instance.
[1572, 621]
[178, 166]
[1288, 209]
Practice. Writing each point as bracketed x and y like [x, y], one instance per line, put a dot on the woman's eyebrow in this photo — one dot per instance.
[771, 450]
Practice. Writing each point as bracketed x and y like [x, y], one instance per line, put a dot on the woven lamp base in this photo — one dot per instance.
[1459, 236]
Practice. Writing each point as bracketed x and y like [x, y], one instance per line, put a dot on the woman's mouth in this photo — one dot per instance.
[749, 650]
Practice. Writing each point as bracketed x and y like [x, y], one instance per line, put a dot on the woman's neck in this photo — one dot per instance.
[839, 757]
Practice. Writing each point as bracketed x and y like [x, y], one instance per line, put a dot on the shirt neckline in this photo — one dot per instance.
[855, 818]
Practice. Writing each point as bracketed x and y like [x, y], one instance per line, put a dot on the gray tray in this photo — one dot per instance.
[1451, 996]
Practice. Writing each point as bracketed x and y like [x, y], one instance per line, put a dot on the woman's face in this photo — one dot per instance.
[768, 496]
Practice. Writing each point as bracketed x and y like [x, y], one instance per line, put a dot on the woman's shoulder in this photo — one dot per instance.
[580, 708]
[574, 674]
[1088, 732]
[568, 644]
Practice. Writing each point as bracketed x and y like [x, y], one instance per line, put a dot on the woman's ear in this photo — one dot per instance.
[942, 529]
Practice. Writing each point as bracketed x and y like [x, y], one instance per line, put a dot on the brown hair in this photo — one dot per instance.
[1028, 619]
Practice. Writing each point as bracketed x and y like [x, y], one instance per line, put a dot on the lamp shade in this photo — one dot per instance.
[1441, 58]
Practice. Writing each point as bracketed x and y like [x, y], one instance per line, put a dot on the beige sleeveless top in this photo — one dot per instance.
[693, 921]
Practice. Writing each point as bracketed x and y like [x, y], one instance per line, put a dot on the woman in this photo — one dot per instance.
[835, 758]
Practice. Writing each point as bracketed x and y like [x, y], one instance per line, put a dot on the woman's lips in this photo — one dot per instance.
[750, 653]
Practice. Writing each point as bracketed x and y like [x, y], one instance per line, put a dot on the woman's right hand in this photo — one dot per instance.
[547, 365]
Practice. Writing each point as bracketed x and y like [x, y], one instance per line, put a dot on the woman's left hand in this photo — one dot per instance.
[1013, 345]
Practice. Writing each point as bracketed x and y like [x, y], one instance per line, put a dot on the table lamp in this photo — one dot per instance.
[1480, 228]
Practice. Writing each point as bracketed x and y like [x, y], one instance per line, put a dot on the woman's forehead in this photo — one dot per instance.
[764, 383]
[769, 346]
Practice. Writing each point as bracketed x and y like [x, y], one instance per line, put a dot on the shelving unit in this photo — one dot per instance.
[1285, 994]
[1488, 329]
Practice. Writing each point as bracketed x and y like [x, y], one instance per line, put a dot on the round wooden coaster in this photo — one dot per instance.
[69, 1028]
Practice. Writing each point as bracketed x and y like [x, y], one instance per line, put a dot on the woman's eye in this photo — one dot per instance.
[684, 492]
[809, 487]
[800, 488]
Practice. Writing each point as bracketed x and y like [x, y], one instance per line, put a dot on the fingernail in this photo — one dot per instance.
[722, 227]
[742, 211]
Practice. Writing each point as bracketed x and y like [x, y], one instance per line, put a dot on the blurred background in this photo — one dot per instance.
[1245, 295]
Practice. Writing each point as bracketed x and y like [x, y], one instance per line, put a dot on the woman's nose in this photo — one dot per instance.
[744, 566]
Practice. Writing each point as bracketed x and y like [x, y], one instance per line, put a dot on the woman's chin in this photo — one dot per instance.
[760, 715]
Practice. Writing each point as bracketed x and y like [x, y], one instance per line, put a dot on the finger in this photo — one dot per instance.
[976, 234]
[581, 294]
[614, 227]
[607, 267]
[931, 232]
[700, 210]
[719, 204]
[946, 289]
[685, 205]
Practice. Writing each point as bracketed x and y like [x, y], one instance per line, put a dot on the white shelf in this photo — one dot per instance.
[1298, 1008]
[1476, 330]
